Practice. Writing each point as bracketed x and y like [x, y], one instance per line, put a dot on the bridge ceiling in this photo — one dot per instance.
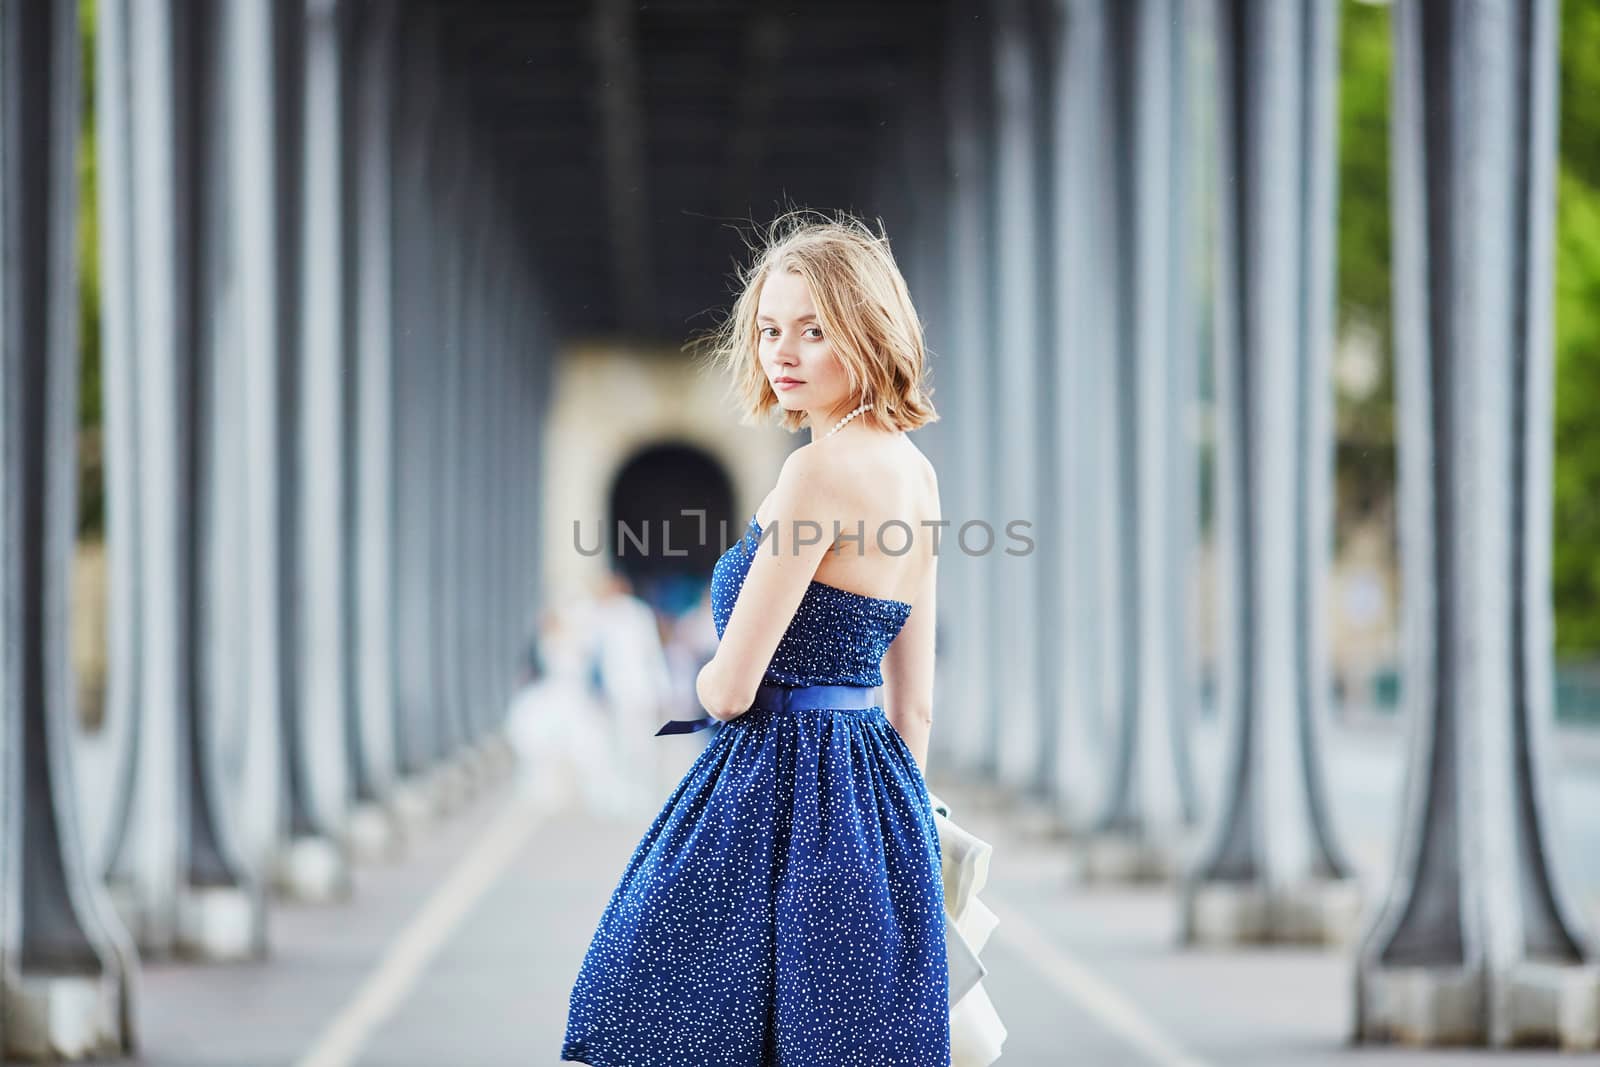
[636, 132]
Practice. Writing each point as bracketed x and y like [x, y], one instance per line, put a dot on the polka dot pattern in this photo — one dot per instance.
[785, 907]
[837, 637]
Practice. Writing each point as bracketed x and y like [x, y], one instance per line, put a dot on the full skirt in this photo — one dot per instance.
[785, 907]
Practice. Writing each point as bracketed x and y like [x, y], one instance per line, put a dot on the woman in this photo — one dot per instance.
[786, 905]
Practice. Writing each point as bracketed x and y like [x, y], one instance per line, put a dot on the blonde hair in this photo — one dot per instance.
[866, 313]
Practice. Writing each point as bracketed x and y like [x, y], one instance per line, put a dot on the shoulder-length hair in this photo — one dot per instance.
[865, 309]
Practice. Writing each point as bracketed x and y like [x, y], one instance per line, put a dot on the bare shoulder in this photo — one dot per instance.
[823, 484]
[807, 469]
[929, 476]
[809, 486]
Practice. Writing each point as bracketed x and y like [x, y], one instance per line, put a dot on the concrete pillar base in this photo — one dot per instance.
[414, 804]
[974, 795]
[62, 1017]
[218, 923]
[1116, 858]
[508, 754]
[1534, 1004]
[1315, 912]
[1422, 1006]
[1227, 913]
[373, 834]
[479, 766]
[150, 932]
[1559, 1000]
[1038, 822]
[451, 786]
[313, 870]
[502, 757]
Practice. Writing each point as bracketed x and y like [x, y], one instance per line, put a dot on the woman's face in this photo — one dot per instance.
[793, 345]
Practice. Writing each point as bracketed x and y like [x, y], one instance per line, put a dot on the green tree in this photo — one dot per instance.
[1580, 89]
[1366, 425]
[1576, 519]
[91, 480]
[1364, 62]
[1366, 433]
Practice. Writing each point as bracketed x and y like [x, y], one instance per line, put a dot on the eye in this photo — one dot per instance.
[768, 330]
[816, 330]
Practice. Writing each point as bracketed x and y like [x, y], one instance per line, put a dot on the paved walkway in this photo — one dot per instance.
[463, 955]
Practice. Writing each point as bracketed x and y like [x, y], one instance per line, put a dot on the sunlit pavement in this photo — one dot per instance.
[464, 952]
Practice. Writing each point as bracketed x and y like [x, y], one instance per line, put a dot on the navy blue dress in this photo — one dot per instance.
[785, 907]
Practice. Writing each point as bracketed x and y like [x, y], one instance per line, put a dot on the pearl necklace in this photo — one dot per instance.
[840, 424]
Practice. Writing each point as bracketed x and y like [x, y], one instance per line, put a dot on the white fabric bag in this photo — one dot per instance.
[976, 1032]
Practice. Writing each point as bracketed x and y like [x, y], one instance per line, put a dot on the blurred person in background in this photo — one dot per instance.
[558, 723]
[635, 683]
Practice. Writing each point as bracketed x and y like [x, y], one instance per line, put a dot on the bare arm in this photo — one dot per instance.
[773, 588]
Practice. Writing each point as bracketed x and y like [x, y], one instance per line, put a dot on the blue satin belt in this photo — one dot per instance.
[774, 697]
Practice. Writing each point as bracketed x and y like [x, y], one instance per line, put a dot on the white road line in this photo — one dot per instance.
[344, 1038]
[1097, 996]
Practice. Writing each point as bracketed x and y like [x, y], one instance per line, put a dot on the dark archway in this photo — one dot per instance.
[677, 497]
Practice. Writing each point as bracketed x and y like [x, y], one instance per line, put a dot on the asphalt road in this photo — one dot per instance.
[464, 952]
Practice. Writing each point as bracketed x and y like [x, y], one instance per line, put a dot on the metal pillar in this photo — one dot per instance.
[1052, 521]
[262, 418]
[369, 206]
[68, 970]
[966, 573]
[303, 819]
[179, 875]
[1271, 869]
[1078, 674]
[113, 758]
[495, 487]
[1015, 563]
[314, 864]
[473, 515]
[416, 102]
[140, 866]
[449, 709]
[222, 909]
[1150, 795]
[1476, 941]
